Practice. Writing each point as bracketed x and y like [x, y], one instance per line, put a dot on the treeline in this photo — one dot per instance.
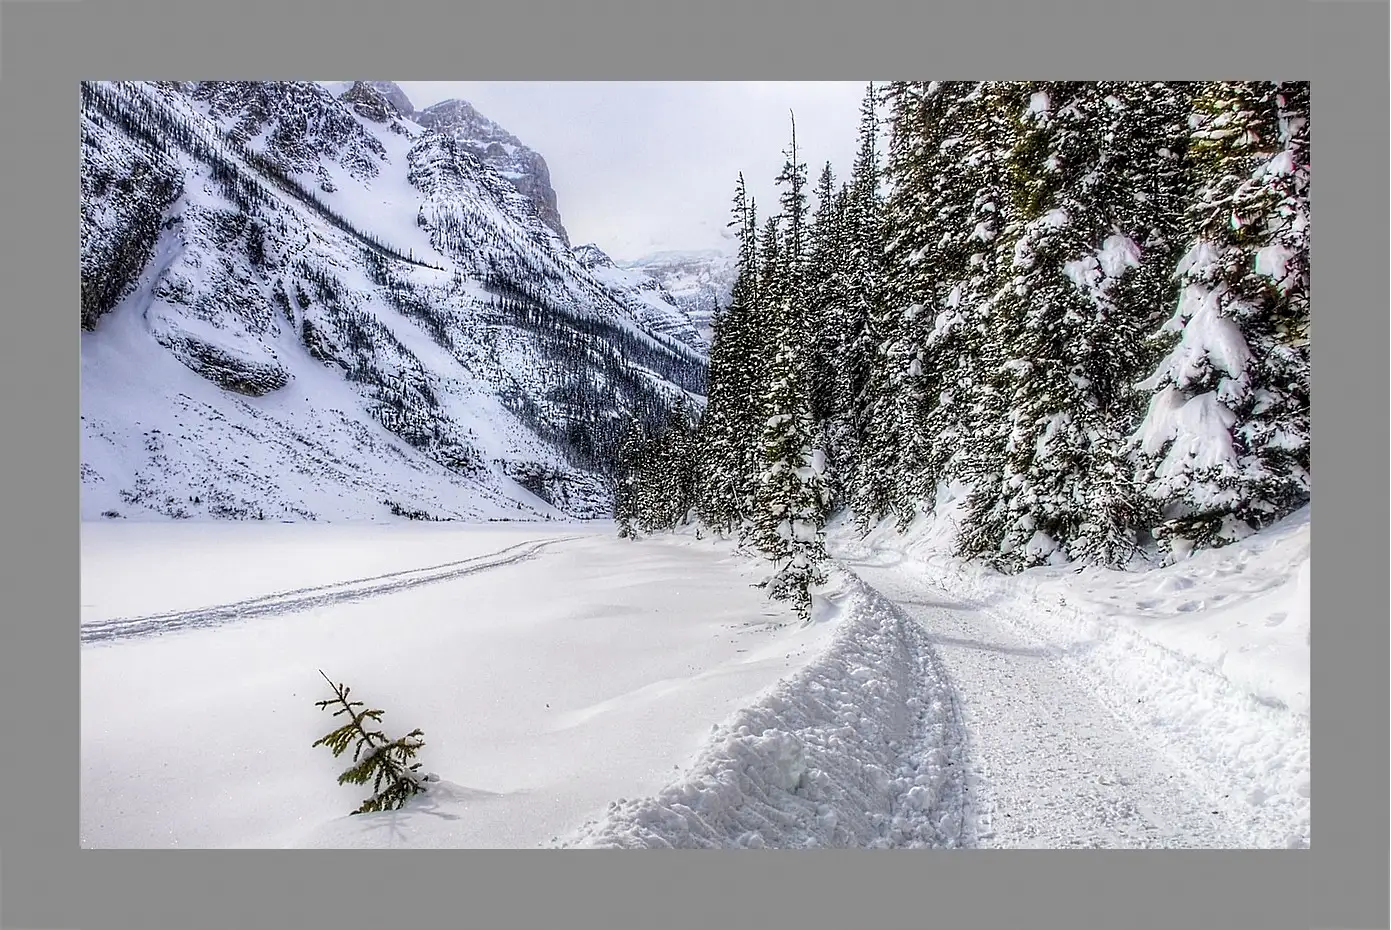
[1083, 305]
[654, 485]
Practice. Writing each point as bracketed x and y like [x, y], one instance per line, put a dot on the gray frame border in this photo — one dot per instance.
[47, 882]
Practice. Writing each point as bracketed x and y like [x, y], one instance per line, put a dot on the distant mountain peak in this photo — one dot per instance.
[643, 295]
[395, 95]
[591, 256]
[698, 281]
[369, 102]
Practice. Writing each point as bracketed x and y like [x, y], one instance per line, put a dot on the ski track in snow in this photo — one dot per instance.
[285, 602]
[1054, 766]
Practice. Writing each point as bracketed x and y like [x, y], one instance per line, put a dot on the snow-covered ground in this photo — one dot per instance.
[862, 747]
[577, 690]
[560, 670]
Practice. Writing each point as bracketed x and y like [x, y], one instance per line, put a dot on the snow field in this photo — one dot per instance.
[589, 670]
[555, 669]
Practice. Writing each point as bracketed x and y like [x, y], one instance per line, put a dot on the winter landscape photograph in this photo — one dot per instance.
[882, 465]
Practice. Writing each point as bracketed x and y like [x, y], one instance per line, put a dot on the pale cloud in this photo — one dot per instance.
[641, 167]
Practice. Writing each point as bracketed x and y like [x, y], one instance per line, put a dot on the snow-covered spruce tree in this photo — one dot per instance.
[1020, 516]
[1145, 185]
[764, 335]
[386, 763]
[908, 282]
[627, 493]
[674, 476]
[825, 284]
[830, 334]
[656, 476]
[1224, 444]
[1065, 491]
[969, 179]
[968, 423]
[722, 433]
[931, 212]
[1291, 238]
[844, 271]
[744, 329]
[846, 336]
[873, 352]
[791, 500]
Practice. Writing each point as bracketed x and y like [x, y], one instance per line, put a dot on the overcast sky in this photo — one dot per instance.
[644, 167]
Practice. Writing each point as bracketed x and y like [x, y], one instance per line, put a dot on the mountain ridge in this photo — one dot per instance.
[698, 281]
[365, 320]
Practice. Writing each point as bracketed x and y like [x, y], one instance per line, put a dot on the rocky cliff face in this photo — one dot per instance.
[297, 304]
[395, 96]
[503, 152]
[371, 103]
[297, 125]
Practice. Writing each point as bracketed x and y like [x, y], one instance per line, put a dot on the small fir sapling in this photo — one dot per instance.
[384, 762]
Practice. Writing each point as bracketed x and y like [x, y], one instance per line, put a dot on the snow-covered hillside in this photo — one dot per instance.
[645, 298]
[698, 282]
[298, 303]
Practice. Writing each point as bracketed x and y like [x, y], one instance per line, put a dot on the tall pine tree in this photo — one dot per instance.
[1224, 445]
[792, 501]
[723, 428]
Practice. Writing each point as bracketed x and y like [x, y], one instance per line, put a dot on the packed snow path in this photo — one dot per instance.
[1052, 764]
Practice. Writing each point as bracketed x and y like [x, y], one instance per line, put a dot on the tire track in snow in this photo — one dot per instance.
[285, 602]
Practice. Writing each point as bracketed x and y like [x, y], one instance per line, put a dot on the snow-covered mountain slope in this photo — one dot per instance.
[698, 282]
[302, 305]
[643, 296]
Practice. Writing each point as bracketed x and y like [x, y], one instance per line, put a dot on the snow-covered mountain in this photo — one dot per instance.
[698, 282]
[300, 303]
[524, 168]
[643, 296]
[494, 146]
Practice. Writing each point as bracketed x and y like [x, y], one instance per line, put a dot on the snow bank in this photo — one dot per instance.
[861, 748]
